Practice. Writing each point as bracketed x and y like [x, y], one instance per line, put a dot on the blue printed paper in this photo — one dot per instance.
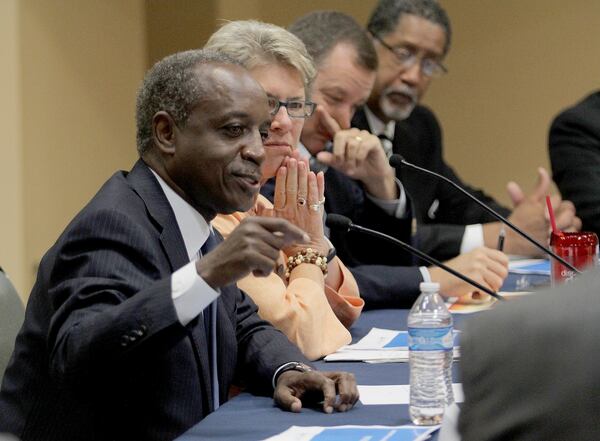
[355, 433]
[372, 434]
[530, 266]
[401, 340]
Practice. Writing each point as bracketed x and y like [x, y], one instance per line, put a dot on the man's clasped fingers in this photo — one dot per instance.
[347, 391]
[330, 390]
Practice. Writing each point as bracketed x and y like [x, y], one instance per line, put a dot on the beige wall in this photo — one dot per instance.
[79, 64]
[513, 65]
[175, 25]
[12, 231]
[72, 67]
[284, 13]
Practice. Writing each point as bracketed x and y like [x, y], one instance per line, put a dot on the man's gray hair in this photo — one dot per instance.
[387, 14]
[253, 43]
[321, 31]
[171, 85]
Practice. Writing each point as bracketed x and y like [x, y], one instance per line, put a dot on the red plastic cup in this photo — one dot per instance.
[579, 249]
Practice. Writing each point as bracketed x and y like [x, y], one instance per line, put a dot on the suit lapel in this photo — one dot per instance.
[147, 187]
[419, 186]
[359, 120]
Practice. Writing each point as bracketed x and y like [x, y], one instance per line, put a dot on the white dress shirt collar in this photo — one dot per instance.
[194, 228]
[378, 127]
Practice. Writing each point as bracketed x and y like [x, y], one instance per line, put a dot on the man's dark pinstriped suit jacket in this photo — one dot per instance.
[101, 354]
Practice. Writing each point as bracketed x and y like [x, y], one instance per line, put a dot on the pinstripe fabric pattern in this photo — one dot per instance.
[101, 354]
[210, 326]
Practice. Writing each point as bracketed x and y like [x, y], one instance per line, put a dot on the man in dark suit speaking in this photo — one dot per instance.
[128, 334]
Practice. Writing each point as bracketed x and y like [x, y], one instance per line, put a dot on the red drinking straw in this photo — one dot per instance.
[555, 230]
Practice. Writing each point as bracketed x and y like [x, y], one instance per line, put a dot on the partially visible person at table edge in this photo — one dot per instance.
[128, 334]
[312, 304]
[574, 147]
[529, 368]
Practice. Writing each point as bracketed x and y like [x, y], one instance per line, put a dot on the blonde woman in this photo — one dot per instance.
[311, 301]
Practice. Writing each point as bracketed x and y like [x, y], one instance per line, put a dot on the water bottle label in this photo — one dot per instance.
[430, 339]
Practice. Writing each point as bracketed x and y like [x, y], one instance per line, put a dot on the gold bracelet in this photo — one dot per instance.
[307, 255]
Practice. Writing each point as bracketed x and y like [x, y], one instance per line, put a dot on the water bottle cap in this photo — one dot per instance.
[429, 287]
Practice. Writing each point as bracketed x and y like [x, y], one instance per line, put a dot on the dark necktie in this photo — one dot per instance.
[386, 143]
[314, 163]
[210, 327]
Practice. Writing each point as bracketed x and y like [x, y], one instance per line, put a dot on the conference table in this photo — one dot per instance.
[250, 418]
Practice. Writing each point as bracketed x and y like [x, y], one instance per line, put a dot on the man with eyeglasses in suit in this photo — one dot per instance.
[412, 39]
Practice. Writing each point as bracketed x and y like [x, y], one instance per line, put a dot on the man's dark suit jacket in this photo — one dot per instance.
[347, 197]
[377, 265]
[574, 144]
[441, 224]
[529, 369]
[102, 354]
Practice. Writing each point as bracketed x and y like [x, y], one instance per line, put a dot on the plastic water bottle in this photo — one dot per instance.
[430, 344]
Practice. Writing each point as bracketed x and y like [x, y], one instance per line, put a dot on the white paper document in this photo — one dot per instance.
[355, 433]
[378, 338]
[396, 394]
[381, 346]
[370, 356]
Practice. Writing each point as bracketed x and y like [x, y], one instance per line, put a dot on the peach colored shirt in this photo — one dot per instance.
[316, 320]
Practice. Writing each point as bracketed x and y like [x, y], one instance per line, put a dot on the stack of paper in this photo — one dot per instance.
[380, 346]
[396, 394]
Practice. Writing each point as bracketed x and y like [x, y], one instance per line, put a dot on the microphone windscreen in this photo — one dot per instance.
[338, 222]
[396, 160]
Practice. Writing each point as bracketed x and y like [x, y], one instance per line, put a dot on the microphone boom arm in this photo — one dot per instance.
[489, 210]
[427, 258]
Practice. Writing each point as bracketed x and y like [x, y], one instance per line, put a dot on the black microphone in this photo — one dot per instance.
[339, 222]
[397, 161]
